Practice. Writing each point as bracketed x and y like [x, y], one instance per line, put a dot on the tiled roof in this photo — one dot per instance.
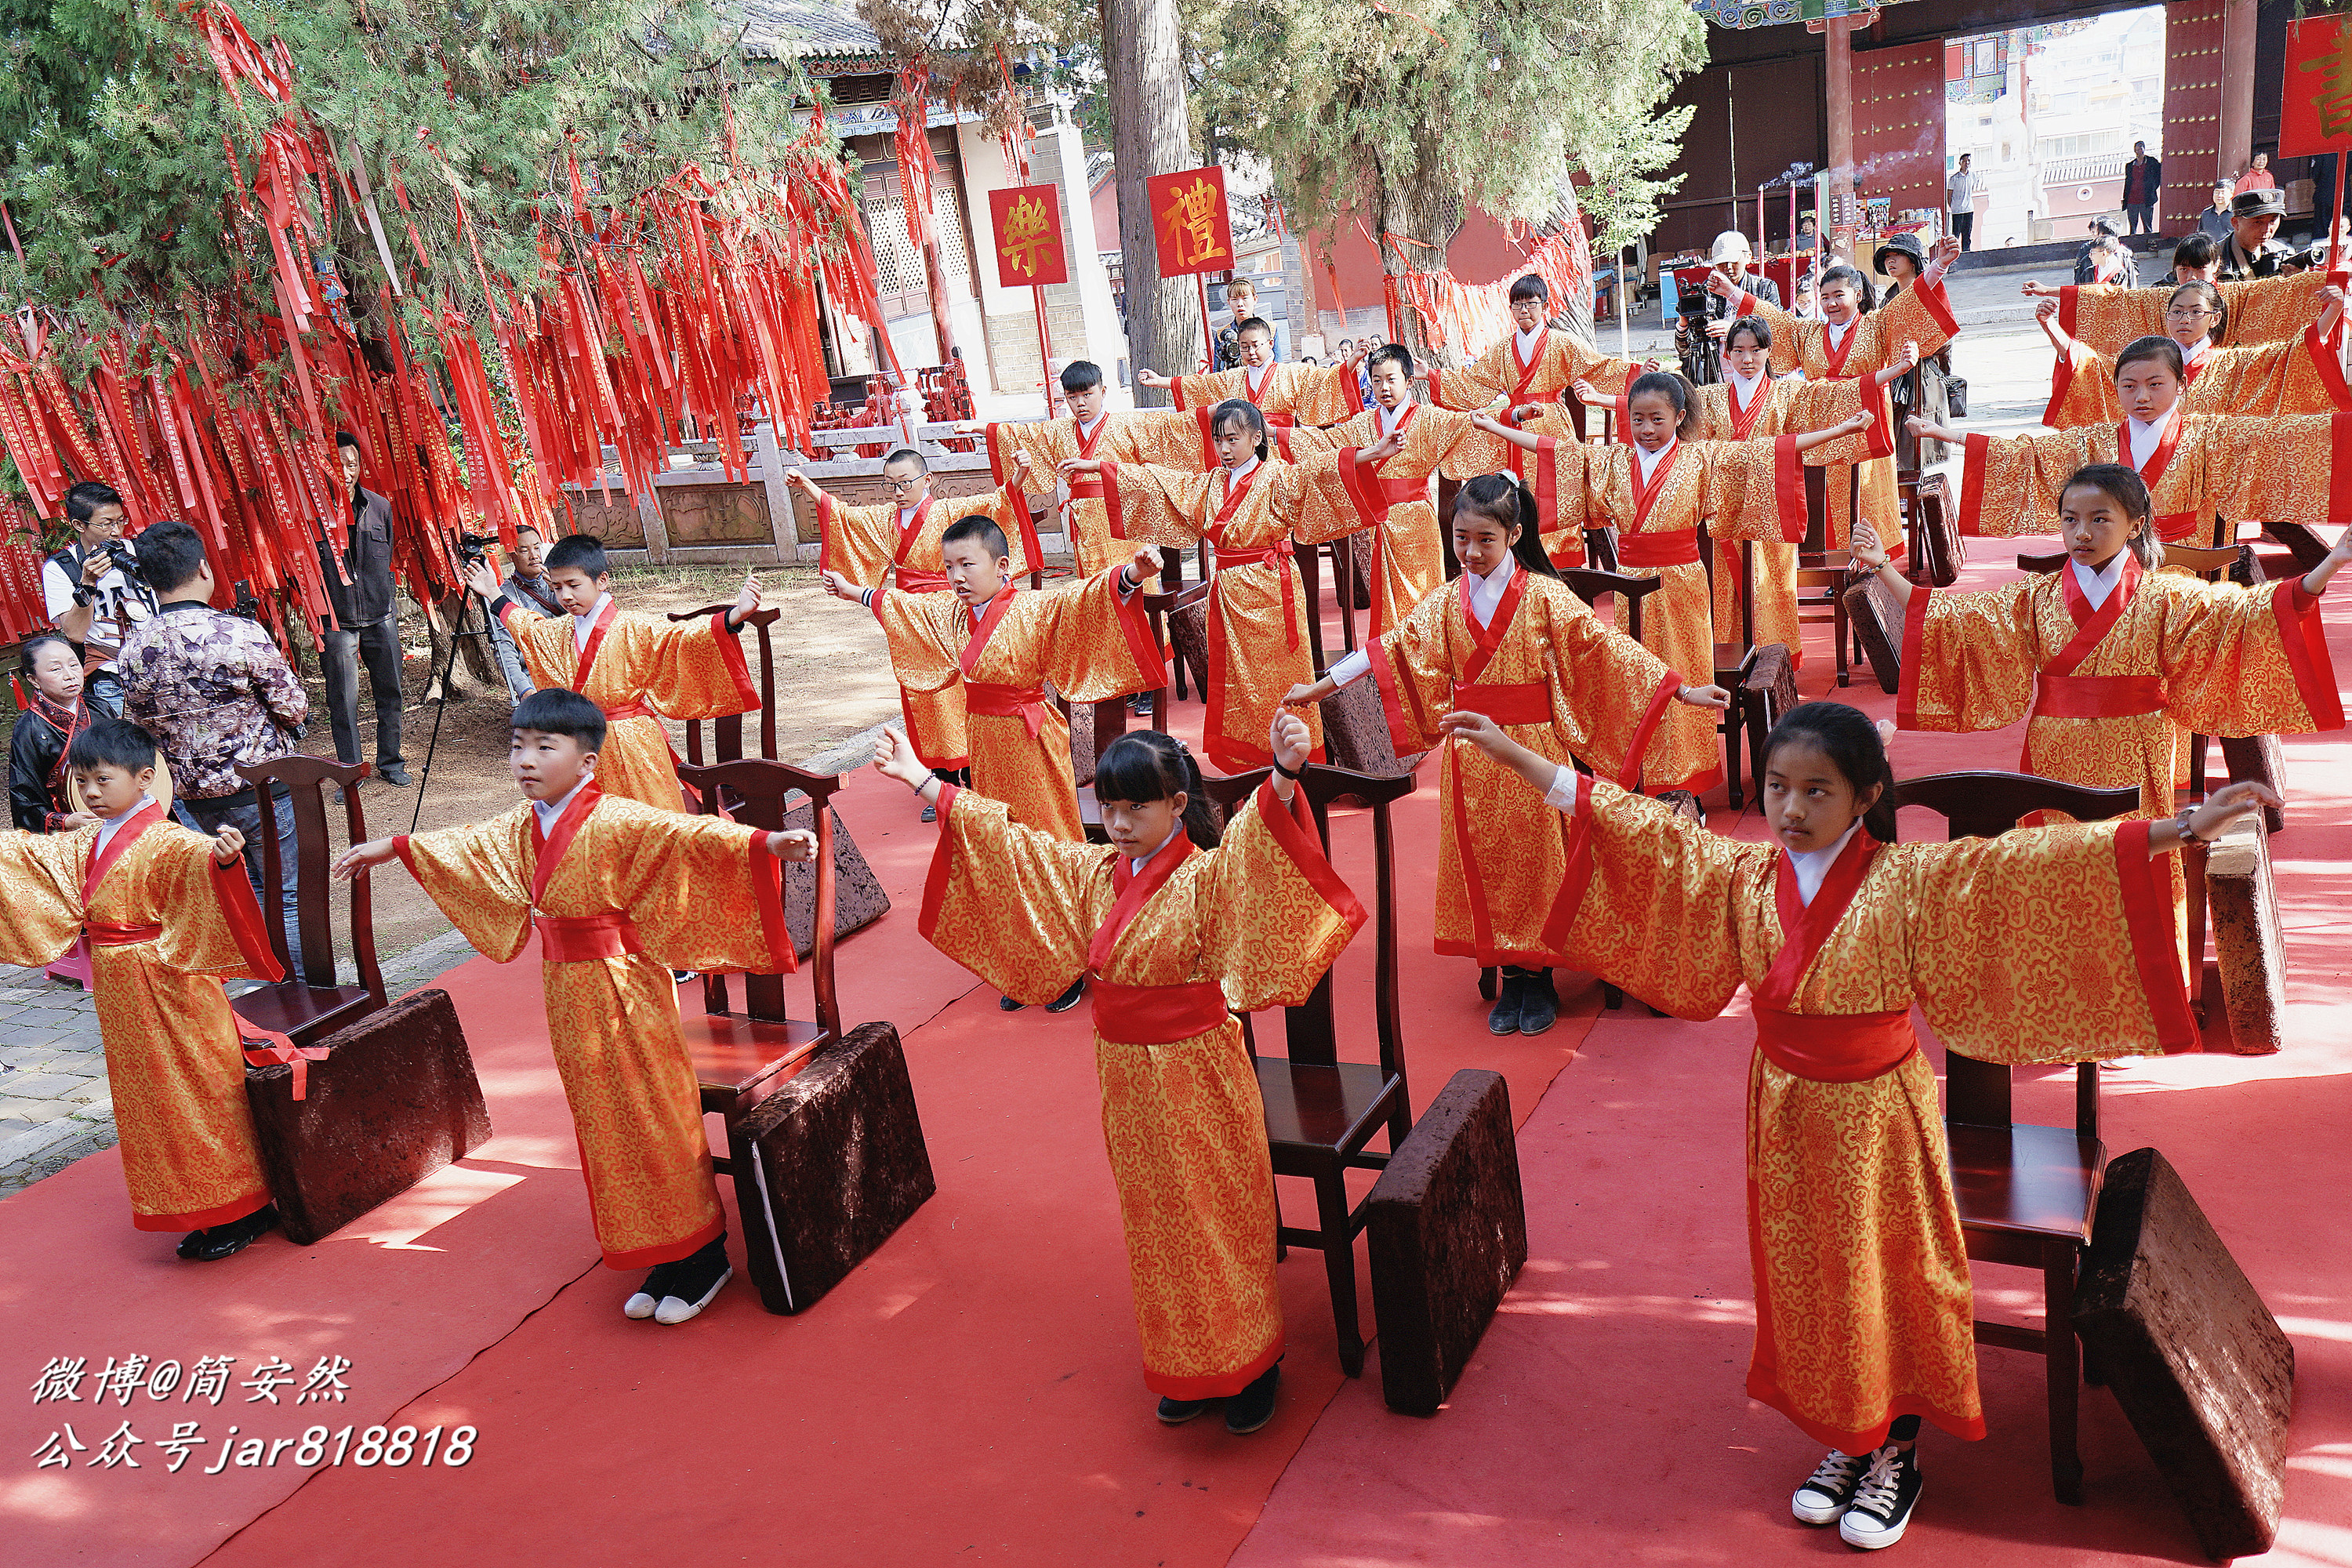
[805, 29]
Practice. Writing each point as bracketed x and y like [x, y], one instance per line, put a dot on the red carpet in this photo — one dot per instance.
[973, 1393]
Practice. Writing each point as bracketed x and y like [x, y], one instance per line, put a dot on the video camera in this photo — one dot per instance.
[473, 548]
[1702, 361]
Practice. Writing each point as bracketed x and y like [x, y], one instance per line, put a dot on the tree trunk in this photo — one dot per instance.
[1407, 208]
[1150, 135]
[475, 671]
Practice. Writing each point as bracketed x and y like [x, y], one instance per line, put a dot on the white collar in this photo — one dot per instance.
[2144, 438]
[583, 625]
[1255, 380]
[1486, 592]
[550, 811]
[1813, 866]
[1086, 427]
[1136, 863]
[1650, 461]
[109, 827]
[1390, 421]
[2197, 350]
[1747, 385]
[2098, 585]
[1837, 333]
[1235, 476]
[1530, 342]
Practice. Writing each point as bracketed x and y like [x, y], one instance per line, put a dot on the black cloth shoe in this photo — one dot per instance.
[1512, 994]
[1068, 999]
[1883, 1502]
[1824, 1498]
[1253, 1407]
[1176, 1412]
[686, 1285]
[1538, 1002]
[228, 1240]
[930, 812]
[394, 774]
[1139, 703]
[1009, 1005]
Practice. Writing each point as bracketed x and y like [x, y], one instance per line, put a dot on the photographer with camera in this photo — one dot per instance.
[1703, 317]
[366, 625]
[527, 585]
[92, 589]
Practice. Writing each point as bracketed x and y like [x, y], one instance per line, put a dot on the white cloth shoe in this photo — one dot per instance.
[675, 1310]
[639, 1306]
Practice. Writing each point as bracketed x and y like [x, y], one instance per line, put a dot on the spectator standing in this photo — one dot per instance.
[215, 693]
[527, 585]
[2213, 223]
[91, 599]
[366, 625]
[1241, 296]
[2252, 250]
[2257, 177]
[1960, 198]
[2143, 184]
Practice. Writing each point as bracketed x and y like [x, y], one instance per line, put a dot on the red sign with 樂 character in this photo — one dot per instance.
[1027, 225]
[2316, 104]
[1190, 227]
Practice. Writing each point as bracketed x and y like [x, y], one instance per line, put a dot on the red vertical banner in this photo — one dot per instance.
[1025, 225]
[2315, 100]
[1190, 227]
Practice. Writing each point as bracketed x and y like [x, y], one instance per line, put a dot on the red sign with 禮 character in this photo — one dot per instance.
[1190, 227]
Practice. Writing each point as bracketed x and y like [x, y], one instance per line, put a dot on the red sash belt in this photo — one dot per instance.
[1085, 487]
[1676, 547]
[1834, 1048]
[1155, 1015]
[582, 939]
[628, 710]
[103, 933]
[1519, 702]
[1396, 492]
[910, 580]
[1231, 556]
[2097, 696]
[2174, 527]
[1025, 702]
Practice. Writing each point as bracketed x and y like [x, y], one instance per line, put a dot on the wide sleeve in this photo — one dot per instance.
[2089, 892]
[476, 874]
[1465, 451]
[704, 892]
[1918, 314]
[1313, 499]
[212, 924]
[1605, 373]
[1206, 390]
[1817, 405]
[1608, 691]
[40, 894]
[2082, 390]
[2245, 661]
[857, 541]
[2299, 375]
[1652, 901]
[2267, 310]
[1159, 504]
[1092, 642]
[1413, 672]
[1169, 438]
[1324, 395]
[1012, 905]
[2106, 316]
[1969, 658]
[1476, 385]
[917, 627]
[1755, 490]
[1564, 476]
[544, 642]
[691, 669]
[2279, 470]
[1046, 441]
[1276, 914]
[2010, 485]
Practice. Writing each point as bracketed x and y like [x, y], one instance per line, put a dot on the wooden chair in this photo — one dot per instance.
[1341, 553]
[1735, 661]
[308, 1006]
[742, 1055]
[1320, 1111]
[727, 733]
[1822, 574]
[1160, 607]
[2027, 1194]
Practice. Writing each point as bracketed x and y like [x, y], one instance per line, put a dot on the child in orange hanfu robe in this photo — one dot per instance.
[1088, 501]
[2202, 471]
[1850, 342]
[619, 893]
[1510, 640]
[1252, 508]
[1655, 492]
[2303, 375]
[1286, 394]
[169, 915]
[1863, 1311]
[635, 668]
[1534, 365]
[1174, 930]
[2103, 317]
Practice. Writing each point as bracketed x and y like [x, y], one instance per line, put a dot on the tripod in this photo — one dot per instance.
[459, 632]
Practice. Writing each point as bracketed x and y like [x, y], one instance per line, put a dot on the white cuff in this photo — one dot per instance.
[1352, 668]
[1561, 796]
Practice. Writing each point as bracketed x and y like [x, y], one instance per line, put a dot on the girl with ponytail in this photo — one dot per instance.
[2297, 375]
[1510, 639]
[1173, 928]
[1864, 1313]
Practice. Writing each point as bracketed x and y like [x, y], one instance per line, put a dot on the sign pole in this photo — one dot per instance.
[2336, 219]
[1208, 339]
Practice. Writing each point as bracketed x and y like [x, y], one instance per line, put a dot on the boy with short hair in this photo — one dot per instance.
[1286, 394]
[169, 913]
[620, 893]
[901, 537]
[1532, 366]
[1088, 502]
[635, 667]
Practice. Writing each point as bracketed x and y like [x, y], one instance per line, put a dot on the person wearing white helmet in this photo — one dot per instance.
[1732, 258]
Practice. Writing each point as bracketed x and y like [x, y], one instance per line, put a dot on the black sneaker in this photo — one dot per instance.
[1068, 999]
[1253, 1407]
[1176, 1412]
[1009, 1005]
[1538, 1002]
[1883, 1502]
[1504, 1018]
[394, 774]
[1830, 1493]
[228, 1240]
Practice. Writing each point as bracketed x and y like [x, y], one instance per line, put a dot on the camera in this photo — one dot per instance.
[119, 554]
[473, 548]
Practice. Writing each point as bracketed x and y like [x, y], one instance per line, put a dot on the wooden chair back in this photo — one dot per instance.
[1984, 804]
[757, 791]
[727, 733]
[1160, 606]
[311, 1004]
[1589, 583]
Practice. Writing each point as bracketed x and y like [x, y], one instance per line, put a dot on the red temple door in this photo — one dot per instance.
[2193, 111]
[1898, 125]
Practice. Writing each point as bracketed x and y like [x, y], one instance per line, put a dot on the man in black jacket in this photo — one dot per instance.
[2142, 187]
[366, 626]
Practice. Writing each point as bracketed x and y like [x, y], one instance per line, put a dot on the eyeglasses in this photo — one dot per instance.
[900, 487]
[2175, 313]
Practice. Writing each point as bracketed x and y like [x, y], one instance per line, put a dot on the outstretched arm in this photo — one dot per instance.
[1900, 367]
[1511, 433]
[1483, 732]
[2046, 314]
[1919, 426]
[1852, 424]
[2331, 310]
[2314, 581]
[2207, 821]
[1866, 549]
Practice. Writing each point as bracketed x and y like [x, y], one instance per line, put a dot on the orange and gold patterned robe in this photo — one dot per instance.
[986, 672]
[1500, 373]
[1397, 501]
[166, 925]
[1169, 955]
[1916, 314]
[2268, 470]
[1286, 394]
[1864, 1308]
[635, 667]
[1787, 407]
[2106, 316]
[865, 542]
[1089, 503]
[621, 893]
[2298, 375]
[1257, 611]
[1561, 683]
